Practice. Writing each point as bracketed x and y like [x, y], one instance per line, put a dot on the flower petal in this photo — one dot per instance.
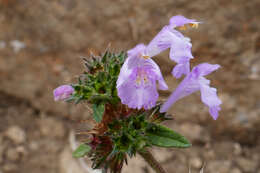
[204, 69]
[179, 21]
[156, 70]
[181, 68]
[180, 48]
[185, 88]
[209, 97]
[138, 96]
[159, 43]
[193, 82]
[136, 50]
[125, 72]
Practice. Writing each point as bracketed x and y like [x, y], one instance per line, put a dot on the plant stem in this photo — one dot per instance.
[148, 157]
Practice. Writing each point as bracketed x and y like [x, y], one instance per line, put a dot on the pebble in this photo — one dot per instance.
[12, 154]
[246, 164]
[16, 134]
[237, 149]
[9, 167]
[235, 170]
[196, 162]
[221, 166]
[17, 45]
[34, 145]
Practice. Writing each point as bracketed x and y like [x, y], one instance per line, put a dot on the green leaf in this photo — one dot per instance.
[81, 151]
[98, 111]
[162, 136]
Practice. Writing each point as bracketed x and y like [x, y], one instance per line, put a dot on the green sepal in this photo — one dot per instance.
[98, 111]
[81, 151]
[162, 136]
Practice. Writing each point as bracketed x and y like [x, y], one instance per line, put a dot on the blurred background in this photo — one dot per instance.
[41, 43]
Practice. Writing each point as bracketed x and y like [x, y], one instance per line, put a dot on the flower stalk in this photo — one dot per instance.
[148, 157]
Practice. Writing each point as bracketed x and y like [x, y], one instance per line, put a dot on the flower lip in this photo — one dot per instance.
[182, 22]
[195, 81]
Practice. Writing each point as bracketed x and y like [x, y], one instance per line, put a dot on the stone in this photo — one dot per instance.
[34, 145]
[235, 170]
[9, 167]
[221, 166]
[237, 149]
[12, 154]
[196, 162]
[16, 134]
[247, 165]
[17, 45]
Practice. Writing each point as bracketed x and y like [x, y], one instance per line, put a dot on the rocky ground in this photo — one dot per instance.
[40, 46]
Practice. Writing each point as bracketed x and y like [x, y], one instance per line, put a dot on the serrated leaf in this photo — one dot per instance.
[162, 136]
[98, 111]
[81, 151]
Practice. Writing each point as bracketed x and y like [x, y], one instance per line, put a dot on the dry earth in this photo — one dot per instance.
[40, 45]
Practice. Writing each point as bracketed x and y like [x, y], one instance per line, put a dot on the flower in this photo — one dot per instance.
[136, 84]
[180, 51]
[63, 92]
[193, 82]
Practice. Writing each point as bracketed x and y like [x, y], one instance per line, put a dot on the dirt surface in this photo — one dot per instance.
[40, 45]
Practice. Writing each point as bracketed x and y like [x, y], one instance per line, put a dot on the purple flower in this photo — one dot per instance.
[193, 82]
[63, 92]
[182, 22]
[136, 84]
[180, 51]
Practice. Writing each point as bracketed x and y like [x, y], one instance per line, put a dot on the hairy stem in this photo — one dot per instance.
[148, 157]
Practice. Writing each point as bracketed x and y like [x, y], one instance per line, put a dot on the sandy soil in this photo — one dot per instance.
[40, 45]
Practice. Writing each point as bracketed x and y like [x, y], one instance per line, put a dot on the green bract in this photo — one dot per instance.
[98, 84]
[81, 151]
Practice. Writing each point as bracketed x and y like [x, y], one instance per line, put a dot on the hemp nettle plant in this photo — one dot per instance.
[122, 89]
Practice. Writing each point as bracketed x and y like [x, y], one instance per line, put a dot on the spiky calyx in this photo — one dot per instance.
[98, 84]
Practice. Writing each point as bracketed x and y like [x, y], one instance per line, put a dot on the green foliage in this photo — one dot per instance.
[136, 132]
[163, 136]
[81, 151]
[98, 111]
[128, 135]
[98, 83]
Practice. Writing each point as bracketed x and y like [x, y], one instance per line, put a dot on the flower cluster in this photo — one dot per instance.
[137, 81]
[122, 89]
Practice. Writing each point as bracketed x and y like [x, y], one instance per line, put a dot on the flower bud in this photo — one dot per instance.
[63, 92]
